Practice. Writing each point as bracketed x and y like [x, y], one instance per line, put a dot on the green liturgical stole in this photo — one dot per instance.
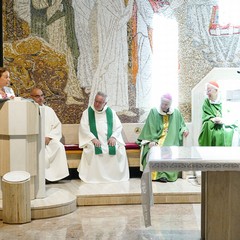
[93, 129]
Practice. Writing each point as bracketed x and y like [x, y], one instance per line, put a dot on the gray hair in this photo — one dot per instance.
[105, 96]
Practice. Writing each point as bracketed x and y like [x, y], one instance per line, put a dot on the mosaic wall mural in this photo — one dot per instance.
[73, 48]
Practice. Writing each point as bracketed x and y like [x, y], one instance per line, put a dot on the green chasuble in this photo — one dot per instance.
[153, 130]
[214, 134]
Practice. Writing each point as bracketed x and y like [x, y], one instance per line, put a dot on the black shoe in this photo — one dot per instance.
[50, 182]
[47, 182]
[163, 179]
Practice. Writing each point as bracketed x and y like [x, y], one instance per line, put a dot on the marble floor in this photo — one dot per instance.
[119, 222]
[183, 190]
[114, 222]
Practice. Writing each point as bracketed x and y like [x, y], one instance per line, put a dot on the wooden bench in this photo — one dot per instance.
[130, 134]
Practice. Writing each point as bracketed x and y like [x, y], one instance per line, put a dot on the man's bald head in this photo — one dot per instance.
[38, 96]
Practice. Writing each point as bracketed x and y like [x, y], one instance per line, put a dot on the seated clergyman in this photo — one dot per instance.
[164, 127]
[215, 130]
[104, 157]
[56, 167]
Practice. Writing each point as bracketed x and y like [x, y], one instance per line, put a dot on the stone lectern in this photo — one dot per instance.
[19, 140]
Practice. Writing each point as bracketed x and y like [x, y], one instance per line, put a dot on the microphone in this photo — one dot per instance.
[11, 84]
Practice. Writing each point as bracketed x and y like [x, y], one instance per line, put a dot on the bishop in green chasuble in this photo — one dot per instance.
[214, 131]
[163, 127]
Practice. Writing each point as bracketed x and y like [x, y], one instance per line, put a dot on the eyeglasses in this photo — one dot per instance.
[38, 96]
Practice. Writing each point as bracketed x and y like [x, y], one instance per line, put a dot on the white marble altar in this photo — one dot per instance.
[225, 160]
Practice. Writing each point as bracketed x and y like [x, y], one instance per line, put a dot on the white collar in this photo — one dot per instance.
[170, 111]
[102, 111]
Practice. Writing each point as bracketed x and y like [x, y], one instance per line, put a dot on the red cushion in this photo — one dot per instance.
[76, 146]
[72, 147]
[132, 146]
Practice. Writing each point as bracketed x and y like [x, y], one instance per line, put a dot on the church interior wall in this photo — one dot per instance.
[71, 49]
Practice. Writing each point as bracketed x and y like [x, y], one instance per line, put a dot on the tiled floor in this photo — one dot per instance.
[120, 222]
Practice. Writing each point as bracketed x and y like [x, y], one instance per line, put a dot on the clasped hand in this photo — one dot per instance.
[96, 142]
[151, 144]
[217, 120]
[111, 142]
[185, 133]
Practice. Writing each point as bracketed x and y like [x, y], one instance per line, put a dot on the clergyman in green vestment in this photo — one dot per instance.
[164, 127]
[104, 157]
[214, 132]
